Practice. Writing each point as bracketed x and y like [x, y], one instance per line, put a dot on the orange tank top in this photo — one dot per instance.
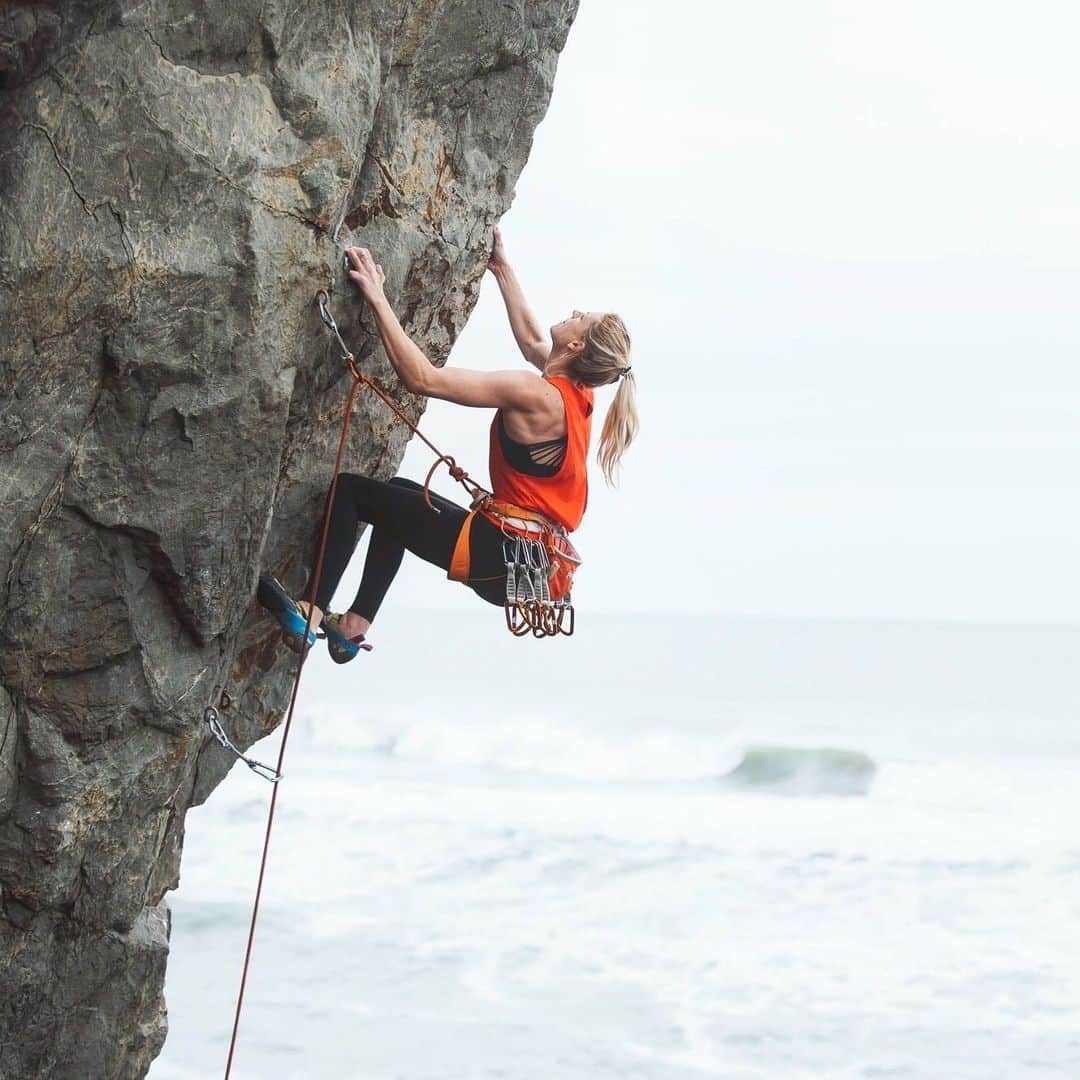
[561, 497]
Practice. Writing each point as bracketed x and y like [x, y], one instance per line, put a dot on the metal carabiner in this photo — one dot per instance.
[551, 620]
[210, 716]
[539, 615]
[323, 299]
[515, 623]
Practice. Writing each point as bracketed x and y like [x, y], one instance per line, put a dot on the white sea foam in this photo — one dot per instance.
[532, 743]
[657, 886]
[527, 742]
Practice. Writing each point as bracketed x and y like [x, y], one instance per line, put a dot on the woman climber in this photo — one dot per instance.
[539, 443]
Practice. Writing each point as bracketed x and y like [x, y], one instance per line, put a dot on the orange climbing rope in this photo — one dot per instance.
[292, 706]
[540, 623]
[459, 474]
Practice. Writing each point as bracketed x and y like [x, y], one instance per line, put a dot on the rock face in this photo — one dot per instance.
[177, 179]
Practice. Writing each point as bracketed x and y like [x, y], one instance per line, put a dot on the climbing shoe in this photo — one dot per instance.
[342, 649]
[284, 608]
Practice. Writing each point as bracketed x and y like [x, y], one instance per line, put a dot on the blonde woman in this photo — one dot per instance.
[539, 441]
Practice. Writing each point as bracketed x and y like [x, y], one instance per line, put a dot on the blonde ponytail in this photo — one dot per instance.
[605, 360]
[620, 427]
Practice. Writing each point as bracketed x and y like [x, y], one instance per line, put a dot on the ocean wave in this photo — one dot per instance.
[792, 770]
[545, 746]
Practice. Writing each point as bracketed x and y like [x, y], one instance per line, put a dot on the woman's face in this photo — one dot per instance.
[573, 329]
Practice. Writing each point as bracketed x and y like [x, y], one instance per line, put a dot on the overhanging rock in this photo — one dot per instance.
[177, 179]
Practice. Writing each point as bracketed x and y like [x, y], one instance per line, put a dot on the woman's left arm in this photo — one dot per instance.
[483, 389]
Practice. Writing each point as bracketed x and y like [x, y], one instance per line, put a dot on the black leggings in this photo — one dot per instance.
[400, 520]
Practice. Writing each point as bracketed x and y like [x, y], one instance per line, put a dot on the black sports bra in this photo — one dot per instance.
[543, 458]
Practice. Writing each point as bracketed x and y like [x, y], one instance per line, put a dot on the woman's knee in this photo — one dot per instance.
[369, 499]
[364, 489]
[351, 482]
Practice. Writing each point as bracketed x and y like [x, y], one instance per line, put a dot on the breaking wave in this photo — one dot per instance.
[543, 746]
[803, 771]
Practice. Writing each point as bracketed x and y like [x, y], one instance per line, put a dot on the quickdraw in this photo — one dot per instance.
[529, 607]
[213, 722]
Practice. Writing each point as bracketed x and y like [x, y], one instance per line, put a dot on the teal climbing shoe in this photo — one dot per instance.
[342, 649]
[284, 608]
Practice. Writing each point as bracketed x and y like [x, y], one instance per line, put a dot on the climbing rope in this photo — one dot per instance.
[312, 591]
[528, 605]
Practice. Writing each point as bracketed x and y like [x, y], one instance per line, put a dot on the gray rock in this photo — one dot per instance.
[177, 178]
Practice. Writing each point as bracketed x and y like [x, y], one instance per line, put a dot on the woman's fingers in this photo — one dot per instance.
[497, 256]
[364, 270]
[365, 273]
[360, 256]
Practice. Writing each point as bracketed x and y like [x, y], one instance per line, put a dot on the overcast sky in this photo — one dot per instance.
[846, 239]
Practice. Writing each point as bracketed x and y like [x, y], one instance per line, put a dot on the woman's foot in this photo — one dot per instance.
[353, 625]
[317, 613]
[342, 644]
[290, 615]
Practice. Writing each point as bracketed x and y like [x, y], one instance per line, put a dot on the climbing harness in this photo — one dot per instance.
[213, 722]
[540, 562]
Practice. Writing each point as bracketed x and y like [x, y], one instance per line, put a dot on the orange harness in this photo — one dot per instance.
[539, 567]
[562, 556]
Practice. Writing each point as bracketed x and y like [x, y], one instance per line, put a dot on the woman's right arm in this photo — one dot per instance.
[518, 390]
[527, 333]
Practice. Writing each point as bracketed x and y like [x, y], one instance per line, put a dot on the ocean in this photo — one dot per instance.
[669, 847]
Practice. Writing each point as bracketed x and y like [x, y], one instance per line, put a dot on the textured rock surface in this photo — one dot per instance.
[177, 178]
